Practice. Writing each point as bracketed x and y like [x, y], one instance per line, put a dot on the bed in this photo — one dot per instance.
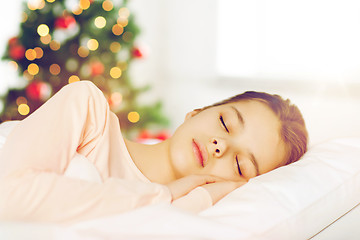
[317, 198]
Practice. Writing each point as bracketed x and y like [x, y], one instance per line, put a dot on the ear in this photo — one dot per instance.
[191, 114]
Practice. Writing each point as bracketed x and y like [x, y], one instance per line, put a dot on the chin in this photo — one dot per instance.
[181, 160]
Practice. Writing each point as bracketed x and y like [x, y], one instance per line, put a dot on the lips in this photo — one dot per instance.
[200, 153]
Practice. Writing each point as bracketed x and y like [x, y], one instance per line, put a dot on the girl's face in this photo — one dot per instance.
[234, 141]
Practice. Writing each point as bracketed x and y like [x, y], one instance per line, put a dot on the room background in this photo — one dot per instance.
[183, 42]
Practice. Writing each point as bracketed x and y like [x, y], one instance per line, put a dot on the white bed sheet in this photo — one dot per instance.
[345, 227]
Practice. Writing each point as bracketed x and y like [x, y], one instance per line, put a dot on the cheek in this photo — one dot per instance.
[223, 168]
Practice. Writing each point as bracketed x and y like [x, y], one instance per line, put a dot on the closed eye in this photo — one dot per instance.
[223, 123]
[237, 163]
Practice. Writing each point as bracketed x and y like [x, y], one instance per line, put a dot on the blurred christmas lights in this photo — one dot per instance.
[43, 30]
[133, 117]
[124, 13]
[30, 54]
[21, 100]
[23, 109]
[54, 45]
[100, 22]
[54, 69]
[84, 4]
[83, 52]
[107, 5]
[116, 98]
[39, 52]
[93, 44]
[115, 72]
[77, 39]
[115, 47]
[33, 69]
[117, 29]
[73, 78]
[71, 65]
[46, 39]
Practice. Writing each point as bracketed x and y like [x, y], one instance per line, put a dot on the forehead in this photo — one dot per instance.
[261, 133]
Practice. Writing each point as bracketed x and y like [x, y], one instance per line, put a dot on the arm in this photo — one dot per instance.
[39, 149]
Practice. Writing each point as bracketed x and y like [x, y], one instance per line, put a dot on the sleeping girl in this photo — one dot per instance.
[217, 149]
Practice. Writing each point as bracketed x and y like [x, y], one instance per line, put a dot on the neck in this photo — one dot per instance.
[152, 160]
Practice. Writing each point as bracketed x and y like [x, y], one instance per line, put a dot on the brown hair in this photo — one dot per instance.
[292, 129]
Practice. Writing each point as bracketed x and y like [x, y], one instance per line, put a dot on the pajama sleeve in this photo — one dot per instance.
[39, 149]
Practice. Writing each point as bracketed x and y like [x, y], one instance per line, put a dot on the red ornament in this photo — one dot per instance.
[163, 135]
[17, 52]
[145, 135]
[97, 68]
[137, 53]
[38, 90]
[65, 22]
[13, 41]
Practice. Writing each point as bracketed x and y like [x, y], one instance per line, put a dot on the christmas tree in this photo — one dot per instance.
[62, 41]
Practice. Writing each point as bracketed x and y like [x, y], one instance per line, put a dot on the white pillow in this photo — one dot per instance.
[299, 200]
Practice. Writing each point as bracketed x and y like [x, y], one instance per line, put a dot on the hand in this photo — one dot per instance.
[218, 190]
[183, 186]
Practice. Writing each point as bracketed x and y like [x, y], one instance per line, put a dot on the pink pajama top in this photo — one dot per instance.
[39, 150]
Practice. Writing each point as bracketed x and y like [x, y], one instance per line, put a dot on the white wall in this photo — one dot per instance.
[181, 38]
[10, 16]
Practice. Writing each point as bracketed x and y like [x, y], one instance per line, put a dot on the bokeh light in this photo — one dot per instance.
[46, 39]
[84, 4]
[54, 69]
[115, 47]
[27, 75]
[24, 17]
[21, 100]
[107, 5]
[35, 4]
[115, 72]
[74, 78]
[77, 11]
[23, 109]
[124, 12]
[71, 65]
[33, 69]
[83, 52]
[100, 22]
[39, 52]
[55, 45]
[133, 117]
[117, 29]
[116, 98]
[93, 44]
[123, 21]
[14, 65]
[127, 36]
[43, 30]
[30, 54]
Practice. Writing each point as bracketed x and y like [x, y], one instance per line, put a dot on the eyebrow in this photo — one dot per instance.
[238, 114]
[255, 162]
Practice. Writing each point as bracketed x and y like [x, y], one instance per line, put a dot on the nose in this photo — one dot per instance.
[219, 147]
